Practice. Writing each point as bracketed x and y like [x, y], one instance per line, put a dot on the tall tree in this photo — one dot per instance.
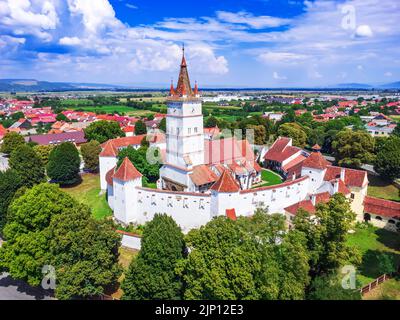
[152, 274]
[103, 131]
[387, 162]
[43, 152]
[353, 148]
[294, 131]
[64, 164]
[46, 226]
[140, 128]
[25, 161]
[11, 141]
[10, 182]
[90, 152]
[329, 287]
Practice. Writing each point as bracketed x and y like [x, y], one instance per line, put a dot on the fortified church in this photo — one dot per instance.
[203, 178]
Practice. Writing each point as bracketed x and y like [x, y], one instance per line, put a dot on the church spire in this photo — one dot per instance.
[183, 88]
[172, 90]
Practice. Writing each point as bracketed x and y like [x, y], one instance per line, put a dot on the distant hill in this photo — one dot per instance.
[31, 85]
[393, 85]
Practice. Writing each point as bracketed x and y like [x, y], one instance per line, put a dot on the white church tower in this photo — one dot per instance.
[185, 133]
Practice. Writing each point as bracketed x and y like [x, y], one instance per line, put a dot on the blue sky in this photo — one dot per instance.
[259, 43]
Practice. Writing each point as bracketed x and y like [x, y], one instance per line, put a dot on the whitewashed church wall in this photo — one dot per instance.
[106, 164]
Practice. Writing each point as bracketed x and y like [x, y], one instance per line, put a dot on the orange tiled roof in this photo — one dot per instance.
[109, 150]
[316, 161]
[385, 208]
[352, 177]
[226, 183]
[202, 175]
[127, 171]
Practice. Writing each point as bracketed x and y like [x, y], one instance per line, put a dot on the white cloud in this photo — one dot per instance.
[26, 17]
[285, 57]
[131, 6]
[364, 31]
[276, 76]
[70, 41]
[256, 22]
[360, 67]
[388, 74]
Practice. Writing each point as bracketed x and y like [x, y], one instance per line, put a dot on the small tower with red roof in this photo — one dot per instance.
[225, 196]
[126, 179]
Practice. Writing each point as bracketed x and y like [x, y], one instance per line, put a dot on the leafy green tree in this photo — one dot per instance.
[43, 152]
[326, 240]
[46, 226]
[90, 152]
[64, 164]
[10, 182]
[140, 128]
[260, 134]
[246, 259]
[62, 117]
[353, 148]
[26, 250]
[328, 287]
[103, 131]
[11, 141]
[84, 252]
[387, 162]
[386, 263]
[139, 160]
[294, 131]
[25, 161]
[152, 274]
[163, 125]
[211, 122]
[396, 131]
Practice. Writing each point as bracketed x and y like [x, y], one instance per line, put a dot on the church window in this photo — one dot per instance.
[201, 205]
[189, 130]
[195, 130]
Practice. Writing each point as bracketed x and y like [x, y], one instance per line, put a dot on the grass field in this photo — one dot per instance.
[115, 109]
[372, 242]
[88, 192]
[269, 178]
[382, 189]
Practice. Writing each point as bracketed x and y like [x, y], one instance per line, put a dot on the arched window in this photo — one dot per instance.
[392, 221]
[378, 218]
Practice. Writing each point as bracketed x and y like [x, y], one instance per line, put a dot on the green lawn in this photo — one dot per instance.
[269, 178]
[112, 109]
[372, 242]
[88, 192]
[382, 189]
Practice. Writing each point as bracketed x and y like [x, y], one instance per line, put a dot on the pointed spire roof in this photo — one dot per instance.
[127, 171]
[109, 150]
[196, 89]
[316, 147]
[226, 183]
[172, 90]
[316, 161]
[183, 87]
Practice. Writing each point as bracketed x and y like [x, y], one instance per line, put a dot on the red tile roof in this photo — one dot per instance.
[316, 161]
[281, 150]
[352, 177]
[203, 175]
[385, 208]
[296, 161]
[226, 183]
[127, 171]
[322, 197]
[231, 214]
[109, 176]
[126, 141]
[109, 150]
[305, 205]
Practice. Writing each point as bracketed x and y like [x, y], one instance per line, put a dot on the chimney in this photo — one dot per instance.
[336, 186]
[314, 199]
[342, 173]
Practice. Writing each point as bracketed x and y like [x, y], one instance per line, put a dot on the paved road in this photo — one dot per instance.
[11, 289]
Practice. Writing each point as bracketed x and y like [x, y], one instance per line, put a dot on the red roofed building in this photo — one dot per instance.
[127, 172]
[226, 183]
[285, 158]
[382, 213]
